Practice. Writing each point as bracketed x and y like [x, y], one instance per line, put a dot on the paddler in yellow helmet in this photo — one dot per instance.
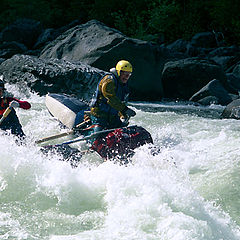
[109, 104]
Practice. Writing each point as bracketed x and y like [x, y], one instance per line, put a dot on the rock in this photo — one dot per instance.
[214, 92]
[225, 56]
[102, 47]
[25, 31]
[206, 101]
[158, 71]
[8, 49]
[2, 60]
[233, 82]
[232, 110]
[236, 70]
[179, 45]
[201, 44]
[204, 40]
[183, 78]
[46, 36]
[50, 34]
[54, 76]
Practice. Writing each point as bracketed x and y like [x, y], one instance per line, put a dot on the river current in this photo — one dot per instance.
[187, 190]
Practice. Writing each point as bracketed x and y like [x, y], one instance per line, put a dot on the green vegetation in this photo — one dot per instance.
[143, 19]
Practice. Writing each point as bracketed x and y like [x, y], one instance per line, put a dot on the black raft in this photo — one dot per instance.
[118, 144]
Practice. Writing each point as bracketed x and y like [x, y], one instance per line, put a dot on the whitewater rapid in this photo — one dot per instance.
[188, 189]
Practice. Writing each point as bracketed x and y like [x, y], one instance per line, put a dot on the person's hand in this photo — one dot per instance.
[125, 122]
[129, 112]
[14, 104]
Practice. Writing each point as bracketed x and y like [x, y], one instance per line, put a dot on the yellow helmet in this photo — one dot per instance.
[123, 65]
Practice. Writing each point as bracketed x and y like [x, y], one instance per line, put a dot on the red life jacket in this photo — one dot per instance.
[3, 105]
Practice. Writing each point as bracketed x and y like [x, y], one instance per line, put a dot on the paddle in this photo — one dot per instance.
[125, 122]
[60, 134]
[5, 114]
[93, 135]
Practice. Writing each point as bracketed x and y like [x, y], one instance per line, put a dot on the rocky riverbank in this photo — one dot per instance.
[72, 59]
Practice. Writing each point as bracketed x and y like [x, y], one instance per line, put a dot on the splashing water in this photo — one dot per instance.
[188, 189]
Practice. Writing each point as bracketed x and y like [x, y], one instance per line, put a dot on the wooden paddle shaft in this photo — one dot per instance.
[5, 114]
[59, 135]
[54, 137]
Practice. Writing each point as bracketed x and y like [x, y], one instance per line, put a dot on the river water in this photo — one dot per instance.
[189, 189]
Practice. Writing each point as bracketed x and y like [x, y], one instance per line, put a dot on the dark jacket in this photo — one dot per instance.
[11, 122]
[109, 98]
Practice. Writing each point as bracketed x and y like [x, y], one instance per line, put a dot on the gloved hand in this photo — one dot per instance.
[129, 112]
[125, 122]
[14, 104]
[86, 118]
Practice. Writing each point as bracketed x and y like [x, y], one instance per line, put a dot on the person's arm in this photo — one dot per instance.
[22, 104]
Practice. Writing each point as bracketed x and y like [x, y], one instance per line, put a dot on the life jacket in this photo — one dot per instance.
[3, 105]
[122, 93]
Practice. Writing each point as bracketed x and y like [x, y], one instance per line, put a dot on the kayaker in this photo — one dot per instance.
[11, 122]
[109, 108]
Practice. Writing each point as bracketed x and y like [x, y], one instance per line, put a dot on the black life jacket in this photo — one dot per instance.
[122, 93]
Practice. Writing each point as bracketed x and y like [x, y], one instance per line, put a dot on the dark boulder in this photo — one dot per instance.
[232, 110]
[204, 40]
[227, 57]
[206, 101]
[25, 31]
[201, 44]
[46, 36]
[2, 60]
[213, 92]
[102, 47]
[183, 78]
[8, 49]
[233, 83]
[50, 34]
[236, 70]
[54, 76]
[179, 45]
[193, 51]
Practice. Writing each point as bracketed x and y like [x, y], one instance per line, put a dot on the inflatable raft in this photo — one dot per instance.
[119, 143]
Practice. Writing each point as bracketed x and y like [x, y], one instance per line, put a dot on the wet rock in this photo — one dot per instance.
[232, 110]
[54, 76]
[183, 78]
[213, 92]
